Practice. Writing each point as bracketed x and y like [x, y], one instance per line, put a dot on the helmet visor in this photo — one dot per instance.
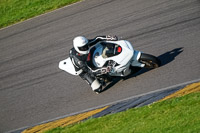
[84, 48]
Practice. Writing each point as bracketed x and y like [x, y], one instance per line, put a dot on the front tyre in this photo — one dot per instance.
[150, 61]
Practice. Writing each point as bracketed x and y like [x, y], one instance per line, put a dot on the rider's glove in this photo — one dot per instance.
[111, 38]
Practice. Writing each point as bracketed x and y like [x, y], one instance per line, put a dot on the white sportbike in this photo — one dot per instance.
[113, 59]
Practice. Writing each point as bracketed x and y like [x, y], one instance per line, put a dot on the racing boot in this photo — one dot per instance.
[92, 81]
[96, 86]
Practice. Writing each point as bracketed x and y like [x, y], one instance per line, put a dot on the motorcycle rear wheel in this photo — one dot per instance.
[150, 61]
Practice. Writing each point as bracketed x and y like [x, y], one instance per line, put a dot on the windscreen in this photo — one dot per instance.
[111, 49]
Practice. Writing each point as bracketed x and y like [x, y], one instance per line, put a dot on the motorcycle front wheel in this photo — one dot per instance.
[150, 61]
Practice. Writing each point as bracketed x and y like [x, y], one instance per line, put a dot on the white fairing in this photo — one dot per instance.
[126, 58]
[67, 66]
[123, 58]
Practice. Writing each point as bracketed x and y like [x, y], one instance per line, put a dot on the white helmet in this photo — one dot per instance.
[80, 45]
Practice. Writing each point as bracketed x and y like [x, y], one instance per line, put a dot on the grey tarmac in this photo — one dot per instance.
[33, 89]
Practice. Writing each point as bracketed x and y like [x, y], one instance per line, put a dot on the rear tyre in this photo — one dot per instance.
[150, 61]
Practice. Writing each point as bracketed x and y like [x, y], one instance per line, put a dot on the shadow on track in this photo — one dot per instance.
[170, 56]
[164, 58]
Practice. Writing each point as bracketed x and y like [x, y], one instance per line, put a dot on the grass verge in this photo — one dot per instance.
[13, 11]
[173, 115]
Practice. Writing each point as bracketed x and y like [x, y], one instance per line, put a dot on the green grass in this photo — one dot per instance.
[12, 11]
[178, 115]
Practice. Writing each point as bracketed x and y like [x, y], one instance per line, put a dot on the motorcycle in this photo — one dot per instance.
[113, 59]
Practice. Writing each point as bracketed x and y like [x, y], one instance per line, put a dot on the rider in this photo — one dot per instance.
[79, 55]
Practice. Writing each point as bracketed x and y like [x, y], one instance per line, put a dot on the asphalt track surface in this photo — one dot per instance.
[33, 89]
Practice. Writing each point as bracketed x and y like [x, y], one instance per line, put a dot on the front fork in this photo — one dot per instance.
[135, 59]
